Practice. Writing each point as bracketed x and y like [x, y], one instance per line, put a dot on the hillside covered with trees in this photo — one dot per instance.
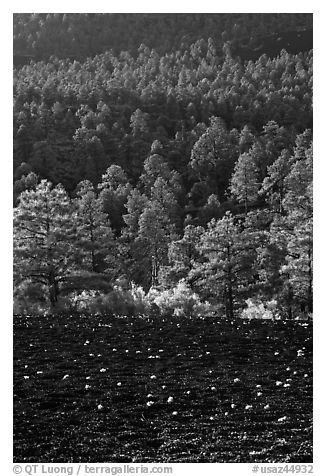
[163, 162]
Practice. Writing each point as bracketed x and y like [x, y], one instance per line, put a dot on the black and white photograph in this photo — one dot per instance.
[162, 239]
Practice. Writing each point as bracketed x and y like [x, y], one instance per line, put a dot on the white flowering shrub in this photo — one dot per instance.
[178, 301]
[256, 309]
[204, 309]
[138, 295]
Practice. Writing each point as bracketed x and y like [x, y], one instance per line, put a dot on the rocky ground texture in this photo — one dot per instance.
[138, 389]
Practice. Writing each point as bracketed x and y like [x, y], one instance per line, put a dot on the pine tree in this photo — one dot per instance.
[273, 186]
[154, 167]
[244, 181]
[298, 203]
[226, 272]
[156, 231]
[43, 237]
[94, 237]
[298, 264]
[135, 260]
[163, 193]
[286, 259]
[213, 156]
[114, 191]
[183, 254]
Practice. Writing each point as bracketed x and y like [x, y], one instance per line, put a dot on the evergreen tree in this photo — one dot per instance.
[115, 189]
[43, 238]
[155, 233]
[227, 271]
[286, 259]
[163, 193]
[135, 260]
[183, 254]
[213, 156]
[298, 204]
[273, 186]
[94, 238]
[244, 181]
[154, 167]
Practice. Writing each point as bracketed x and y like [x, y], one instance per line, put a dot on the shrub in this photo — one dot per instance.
[256, 309]
[205, 309]
[180, 300]
[119, 301]
[30, 298]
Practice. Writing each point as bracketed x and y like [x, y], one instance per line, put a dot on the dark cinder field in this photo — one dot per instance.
[137, 389]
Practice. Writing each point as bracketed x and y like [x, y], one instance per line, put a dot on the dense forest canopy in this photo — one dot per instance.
[78, 36]
[167, 151]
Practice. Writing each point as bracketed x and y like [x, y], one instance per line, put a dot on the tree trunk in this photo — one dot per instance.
[230, 302]
[229, 287]
[289, 301]
[310, 294]
[53, 289]
[92, 252]
[154, 271]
